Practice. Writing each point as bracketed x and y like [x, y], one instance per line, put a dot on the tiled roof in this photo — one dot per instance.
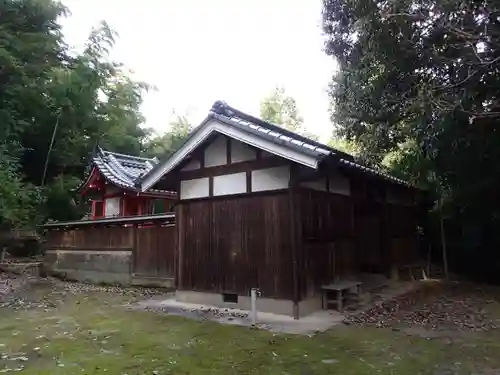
[274, 133]
[122, 170]
[243, 122]
[231, 116]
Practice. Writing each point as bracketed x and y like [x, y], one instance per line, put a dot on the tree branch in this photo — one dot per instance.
[459, 83]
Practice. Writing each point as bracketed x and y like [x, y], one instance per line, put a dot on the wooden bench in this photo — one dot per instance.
[340, 288]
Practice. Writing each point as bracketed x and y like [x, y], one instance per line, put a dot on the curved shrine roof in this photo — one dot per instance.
[121, 170]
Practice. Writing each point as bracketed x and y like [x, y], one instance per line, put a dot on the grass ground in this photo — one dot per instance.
[93, 333]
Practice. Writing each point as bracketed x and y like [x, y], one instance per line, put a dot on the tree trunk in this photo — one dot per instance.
[443, 239]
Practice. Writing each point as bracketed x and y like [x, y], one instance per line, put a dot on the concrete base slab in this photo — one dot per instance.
[318, 321]
[276, 306]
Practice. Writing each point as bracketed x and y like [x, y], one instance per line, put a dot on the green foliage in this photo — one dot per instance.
[345, 145]
[49, 93]
[18, 200]
[30, 44]
[63, 205]
[165, 145]
[281, 109]
[418, 89]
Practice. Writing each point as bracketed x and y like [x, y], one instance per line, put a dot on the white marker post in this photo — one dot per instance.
[253, 304]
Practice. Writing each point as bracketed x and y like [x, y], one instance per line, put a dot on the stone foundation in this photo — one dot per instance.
[270, 305]
[110, 267]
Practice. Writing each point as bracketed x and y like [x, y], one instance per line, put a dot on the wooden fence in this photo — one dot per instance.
[151, 241]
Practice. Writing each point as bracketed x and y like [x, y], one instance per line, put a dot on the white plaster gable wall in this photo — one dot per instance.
[216, 152]
[339, 185]
[319, 184]
[211, 128]
[271, 178]
[235, 183]
[197, 188]
[112, 207]
[193, 164]
[241, 152]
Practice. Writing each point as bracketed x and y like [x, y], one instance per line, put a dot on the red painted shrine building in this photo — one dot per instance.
[111, 186]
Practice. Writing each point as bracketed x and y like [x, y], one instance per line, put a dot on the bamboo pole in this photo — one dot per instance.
[50, 148]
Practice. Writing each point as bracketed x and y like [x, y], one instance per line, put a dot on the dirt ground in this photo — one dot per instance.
[52, 327]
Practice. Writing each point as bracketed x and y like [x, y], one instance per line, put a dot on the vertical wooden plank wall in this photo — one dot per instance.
[93, 238]
[233, 244]
[344, 235]
[296, 243]
[402, 237]
[155, 251]
[327, 239]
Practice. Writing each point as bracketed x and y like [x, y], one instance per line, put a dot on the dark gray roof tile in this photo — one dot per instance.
[224, 113]
[120, 169]
[230, 115]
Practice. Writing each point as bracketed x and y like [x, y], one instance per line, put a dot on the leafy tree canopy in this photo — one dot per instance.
[54, 108]
[281, 109]
[344, 145]
[165, 145]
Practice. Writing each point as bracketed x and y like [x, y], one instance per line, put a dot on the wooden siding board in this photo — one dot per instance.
[210, 186]
[294, 211]
[144, 261]
[235, 244]
[369, 224]
[228, 150]
[195, 240]
[327, 239]
[96, 238]
[155, 252]
[344, 235]
[134, 250]
[325, 216]
[180, 245]
[249, 181]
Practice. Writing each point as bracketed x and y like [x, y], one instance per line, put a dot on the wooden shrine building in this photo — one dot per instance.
[262, 207]
[111, 186]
